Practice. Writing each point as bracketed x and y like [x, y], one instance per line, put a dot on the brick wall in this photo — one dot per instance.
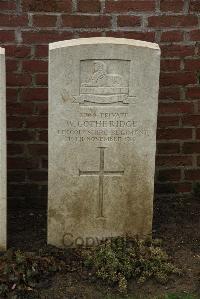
[26, 28]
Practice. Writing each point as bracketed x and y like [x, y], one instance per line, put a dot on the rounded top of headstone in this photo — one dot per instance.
[102, 40]
[2, 50]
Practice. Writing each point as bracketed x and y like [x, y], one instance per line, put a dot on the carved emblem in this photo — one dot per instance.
[101, 77]
[103, 86]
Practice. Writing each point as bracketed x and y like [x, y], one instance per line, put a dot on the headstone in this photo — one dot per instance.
[102, 139]
[3, 168]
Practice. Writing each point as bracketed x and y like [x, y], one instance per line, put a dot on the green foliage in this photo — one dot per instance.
[21, 273]
[116, 261]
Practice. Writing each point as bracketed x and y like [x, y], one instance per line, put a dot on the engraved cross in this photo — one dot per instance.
[101, 173]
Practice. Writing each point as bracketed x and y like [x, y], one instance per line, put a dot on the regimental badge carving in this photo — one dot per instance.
[101, 78]
[104, 82]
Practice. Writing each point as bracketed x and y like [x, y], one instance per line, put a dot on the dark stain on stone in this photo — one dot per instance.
[53, 214]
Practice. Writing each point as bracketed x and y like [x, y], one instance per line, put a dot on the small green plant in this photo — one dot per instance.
[117, 260]
[20, 273]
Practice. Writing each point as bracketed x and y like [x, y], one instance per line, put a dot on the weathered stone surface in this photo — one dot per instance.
[3, 167]
[102, 139]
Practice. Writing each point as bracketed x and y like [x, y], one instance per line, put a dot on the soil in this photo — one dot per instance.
[176, 222]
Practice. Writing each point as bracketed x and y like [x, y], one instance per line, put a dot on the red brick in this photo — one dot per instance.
[38, 149]
[20, 136]
[11, 94]
[191, 65]
[197, 49]
[191, 120]
[175, 133]
[11, 65]
[195, 35]
[173, 21]
[42, 108]
[34, 94]
[44, 37]
[43, 136]
[129, 5]
[41, 79]
[44, 21]
[192, 174]
[15, 149]
[168, 148]
[183, 187]
[21, 163]
[18, 79]
[177, 50]
[89, 34]
[17, 51]
[193, 92]
[44, 190]
[88, 6]
[171, 5]
[40, 122]
[176, 108]
[171, 36]
[45, 163]
[163, 188]
[128, 21]
[20, 108]
[195, 6]
[38, 175]
[7, 36]
[191, 147]
[83, 21]
[197, 133]
[41, 51]
[27, 103]
[168, 121]
[146, 36]
[47, 6]
[16, 175]
[174, 161]
[11, 20]
[169, 93]
[34, 66]
[25, 190]
[7, 5]
[173, 188]
[15, 121]
[169, 175]
[170, 65]
[179, 78]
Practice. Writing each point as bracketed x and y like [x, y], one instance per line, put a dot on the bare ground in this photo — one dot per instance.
[176, 222]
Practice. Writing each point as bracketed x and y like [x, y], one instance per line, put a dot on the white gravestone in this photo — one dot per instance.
[103, 100]
[3, 167]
